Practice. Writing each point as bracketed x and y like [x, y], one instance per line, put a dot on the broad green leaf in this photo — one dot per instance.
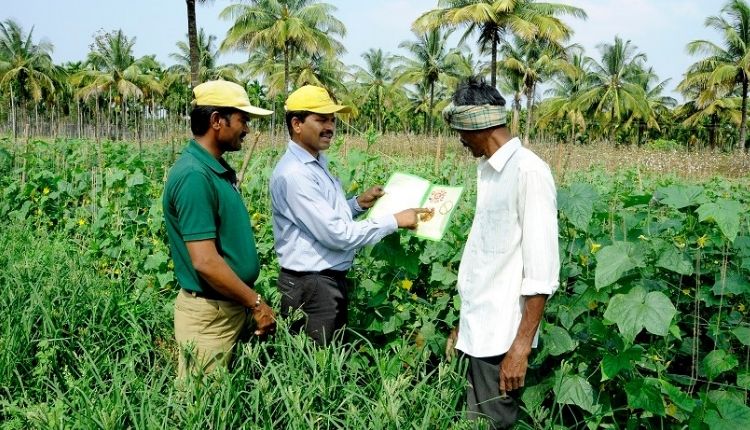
[136, 178]
[680, 196]
[645, 394]
[443, 275]
[729, 415]
[155, 260]
[743, 380]
[371, 286]
[534, 396]
[557, 341]
[681, 399]
[742, 334]
[717, 362]
[575, 390]
[676, 261]
[577, 204]
[725, 213]
[614, 260]
[733, 283]
[637, 310]
[165, 278]
[613, 364]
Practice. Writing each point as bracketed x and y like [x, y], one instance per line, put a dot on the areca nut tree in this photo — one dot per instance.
[287, 27]
[730, 63]
[26, 67]
[492, 20]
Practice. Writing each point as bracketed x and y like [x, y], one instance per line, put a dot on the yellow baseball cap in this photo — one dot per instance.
[225, 94]
[313, 99]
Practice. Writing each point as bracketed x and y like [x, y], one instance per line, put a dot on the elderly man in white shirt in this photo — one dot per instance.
[510, 263]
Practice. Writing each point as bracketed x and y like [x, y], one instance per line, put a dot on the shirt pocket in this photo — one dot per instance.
[496, 230]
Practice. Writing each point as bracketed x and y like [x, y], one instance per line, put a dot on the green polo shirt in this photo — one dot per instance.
[201, 202]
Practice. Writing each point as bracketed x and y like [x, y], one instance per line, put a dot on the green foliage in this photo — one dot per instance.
[650, 317]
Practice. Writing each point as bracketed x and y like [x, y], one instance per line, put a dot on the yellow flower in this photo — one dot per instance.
[406, 284]
[257, 217]
[701, 241]
[741, 307]
[353, 187]
[45, 190]
[81, 222]
[595, 247]
[414, 297]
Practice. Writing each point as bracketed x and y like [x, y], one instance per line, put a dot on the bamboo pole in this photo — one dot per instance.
[246, 161]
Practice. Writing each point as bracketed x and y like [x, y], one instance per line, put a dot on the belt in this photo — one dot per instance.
[337, 274]
[209, 294]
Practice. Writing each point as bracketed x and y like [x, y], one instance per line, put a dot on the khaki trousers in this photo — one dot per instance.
[206, 331]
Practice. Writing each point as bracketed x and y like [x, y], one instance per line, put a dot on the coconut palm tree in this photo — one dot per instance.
[193, 44]
[728, 64]
[285, 27]
[615, 92]
[567, 85]
[208, 55]
[113, 70]
[534, 61]
[492, 20]
[431, 61]
[376, 80]
[26, 68]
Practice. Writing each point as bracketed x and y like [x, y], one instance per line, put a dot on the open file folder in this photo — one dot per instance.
[405, 191]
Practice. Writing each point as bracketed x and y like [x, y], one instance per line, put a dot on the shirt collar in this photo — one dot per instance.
[201, 154]
[502, 155]
[304, 156]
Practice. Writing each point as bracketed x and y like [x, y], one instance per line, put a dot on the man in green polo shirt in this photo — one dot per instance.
[210, 237]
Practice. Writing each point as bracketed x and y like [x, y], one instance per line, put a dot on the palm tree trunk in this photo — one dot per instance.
[493, 62]
[743, 121]
[515, 121]
[13, 113]
[193, 41]
[432, 103]
[529, 106]
[712, 131]
[286, 69]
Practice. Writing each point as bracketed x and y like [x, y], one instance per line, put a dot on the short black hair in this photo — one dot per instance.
[200, 117]
[476, 91]
[301, 114]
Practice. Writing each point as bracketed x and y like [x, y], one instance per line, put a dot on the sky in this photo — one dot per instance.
[659, 28]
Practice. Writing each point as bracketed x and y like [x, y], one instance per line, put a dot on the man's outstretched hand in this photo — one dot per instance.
[369, 197]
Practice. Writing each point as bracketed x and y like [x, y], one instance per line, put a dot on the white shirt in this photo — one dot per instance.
[511, 251]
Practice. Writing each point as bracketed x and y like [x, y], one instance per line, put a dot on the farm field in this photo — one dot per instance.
[648, 330]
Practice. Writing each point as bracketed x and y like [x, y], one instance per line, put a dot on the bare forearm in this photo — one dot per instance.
[222, 278]
[532, 316]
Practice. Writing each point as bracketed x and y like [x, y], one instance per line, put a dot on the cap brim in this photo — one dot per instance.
[255, 111]
[331, 109]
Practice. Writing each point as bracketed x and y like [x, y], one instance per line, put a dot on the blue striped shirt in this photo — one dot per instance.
[313, 223]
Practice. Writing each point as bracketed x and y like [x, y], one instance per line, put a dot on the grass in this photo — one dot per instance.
[81, 350]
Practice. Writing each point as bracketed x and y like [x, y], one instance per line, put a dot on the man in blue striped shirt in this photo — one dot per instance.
[314, 227]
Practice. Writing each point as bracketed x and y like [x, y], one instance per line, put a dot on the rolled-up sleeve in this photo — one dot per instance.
[537, 204]
[312, 211]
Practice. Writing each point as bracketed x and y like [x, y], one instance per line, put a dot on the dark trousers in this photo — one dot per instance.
[322, 298]
[483, 399]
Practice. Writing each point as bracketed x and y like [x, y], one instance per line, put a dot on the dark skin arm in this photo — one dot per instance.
[217, 273]
[516, 361]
